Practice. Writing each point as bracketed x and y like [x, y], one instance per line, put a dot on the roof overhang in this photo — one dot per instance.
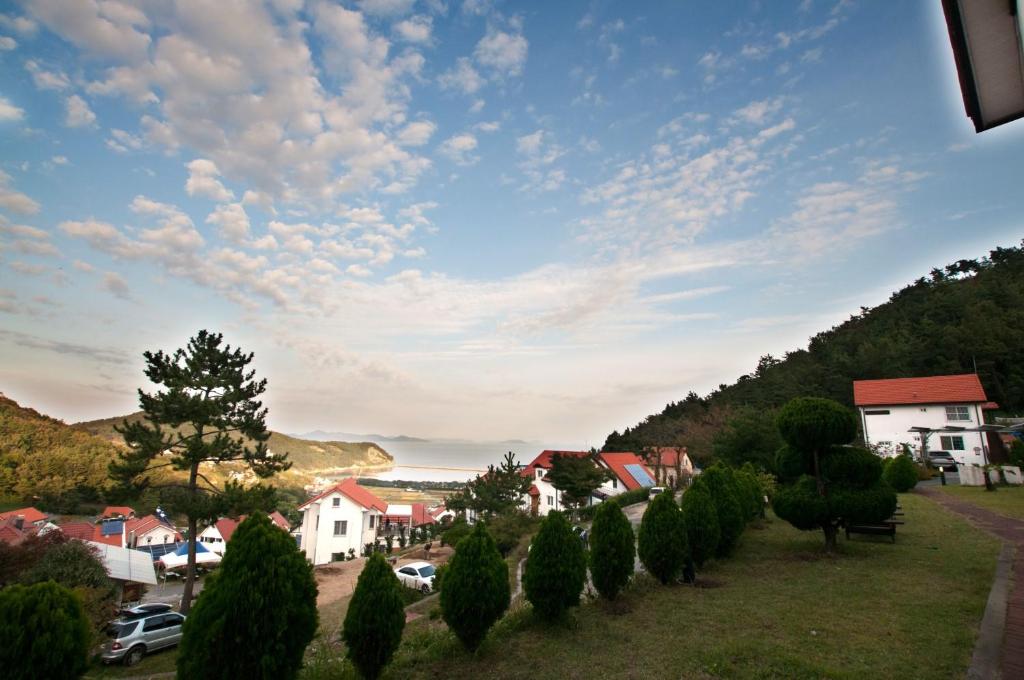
[986, 39]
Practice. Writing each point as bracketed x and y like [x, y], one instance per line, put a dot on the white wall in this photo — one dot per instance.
[155, 536]
[212, 540]
[319, 542]
[895, 426]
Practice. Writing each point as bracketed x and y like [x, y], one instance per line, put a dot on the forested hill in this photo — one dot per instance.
[971, 313]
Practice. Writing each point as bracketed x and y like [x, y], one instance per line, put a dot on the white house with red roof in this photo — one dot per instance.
[627, 470]
[217, 535]
[954, 405]
[148, 530]
[341, 518]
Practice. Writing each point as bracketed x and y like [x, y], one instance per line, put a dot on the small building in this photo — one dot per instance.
[408, 515]
[675, 461]
[950, 408]
[627, 471]
[130, 570]
[28, 517]
[341, 518]
[217, 535]
[117, 512]
[149, 530]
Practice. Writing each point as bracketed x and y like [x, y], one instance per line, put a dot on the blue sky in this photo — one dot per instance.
[474, 219]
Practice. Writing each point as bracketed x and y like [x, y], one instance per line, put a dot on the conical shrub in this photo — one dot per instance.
[612, 550]
[475, 591]
[662, 542]
[45, 633]
[375, 618]
[701, 521]
[719, 482]
[556, 568]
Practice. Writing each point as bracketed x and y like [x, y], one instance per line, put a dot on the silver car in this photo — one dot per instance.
[134, 636]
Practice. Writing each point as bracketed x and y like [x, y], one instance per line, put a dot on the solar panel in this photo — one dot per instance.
[112, 528]
[160, 549]
[640, 475]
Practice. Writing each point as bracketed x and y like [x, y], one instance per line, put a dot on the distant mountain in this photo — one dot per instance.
[307, 456]
[321, 436]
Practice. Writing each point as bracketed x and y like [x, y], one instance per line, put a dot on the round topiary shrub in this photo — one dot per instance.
[556, 568]
[258, 609]
[475, 591]
[612, 550]
[901, 474]
[45, 633]
[815, 424]
[701, 520]
[801, 505]
[662, 544]
[375, 619]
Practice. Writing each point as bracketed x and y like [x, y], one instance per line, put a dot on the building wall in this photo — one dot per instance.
[894, 428]
[155, 536]
[211, 538]
[318, 540]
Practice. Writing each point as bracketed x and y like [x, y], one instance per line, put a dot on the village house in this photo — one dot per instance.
[407, 515]
[117, 512]
[627, 472]
[147, 531]
[945, 410]
[675, 462]
[341, 518]
[27, 516]
[217, 535]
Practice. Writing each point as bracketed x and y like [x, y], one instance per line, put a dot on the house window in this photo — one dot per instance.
[340, 527]
[372, 517]
[615, 483]
[956, 413]
[540, 473]
[335, 502]
[149, 539]
[952, 443]
[877, 412]
[551, 501]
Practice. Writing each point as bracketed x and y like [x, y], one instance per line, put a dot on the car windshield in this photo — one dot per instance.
[118, 630]
[427, 571]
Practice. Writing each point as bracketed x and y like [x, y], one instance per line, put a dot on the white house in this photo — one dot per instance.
[343, 517]
[148, 530]
[627, 472]
[950, 406]
[217, 535]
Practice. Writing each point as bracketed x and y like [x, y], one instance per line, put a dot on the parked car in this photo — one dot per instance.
[130, 639]
[943, 459]
[418, 575]
[655, 490]
[143, 610]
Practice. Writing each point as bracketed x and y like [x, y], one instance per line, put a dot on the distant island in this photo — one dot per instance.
[321, 436]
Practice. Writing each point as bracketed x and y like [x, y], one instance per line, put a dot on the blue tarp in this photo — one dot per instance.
[183, 549]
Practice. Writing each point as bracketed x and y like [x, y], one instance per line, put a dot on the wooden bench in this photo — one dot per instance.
[886, 528]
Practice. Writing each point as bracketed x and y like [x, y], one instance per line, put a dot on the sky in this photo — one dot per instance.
[479, 219]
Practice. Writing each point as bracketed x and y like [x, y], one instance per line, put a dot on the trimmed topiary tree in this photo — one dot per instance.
[662, 541]
[836, 484]
[612, 550]
[721, 486]
[375, 619]
[475, 591]
[258, 610]
[701, 519]
[45, 633]
[901, 474]
[556, 568]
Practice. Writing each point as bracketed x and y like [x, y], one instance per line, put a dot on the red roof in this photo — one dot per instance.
[669, 455]
[543, 460]
[30, 514]
[439, 510]
[618, 461]
[939, 389]
[226, 526]
[116, 511]
[117, 540]
[354, 492]
[143, 525]
[83, 531]
[534, 491]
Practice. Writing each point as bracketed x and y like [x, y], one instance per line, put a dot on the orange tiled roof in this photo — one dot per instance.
[353, 492]
[30, 514]
[618, 461]
[939, 389]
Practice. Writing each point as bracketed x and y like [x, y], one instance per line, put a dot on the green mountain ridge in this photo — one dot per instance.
[966, 317]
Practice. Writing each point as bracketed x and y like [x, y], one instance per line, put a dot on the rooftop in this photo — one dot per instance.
[939, 389]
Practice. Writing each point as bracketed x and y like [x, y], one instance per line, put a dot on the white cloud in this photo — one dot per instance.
[202, 181]
[488, 126]
[503, 52]
[21, 25]
[758, 111]
[416, 29]
[232, 221]
[9, 112]
[84, 24]
[59, 160]
[459, 148]
[123, 141]
[416, 133]
[7, 43]
[13, 200]
[77, 112]
[116, 285]
[531, 143]
[462, 77]
[45, 79]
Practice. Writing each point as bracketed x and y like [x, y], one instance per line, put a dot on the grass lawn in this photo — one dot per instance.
[158, 662]
[778, 608]
[1006, 500]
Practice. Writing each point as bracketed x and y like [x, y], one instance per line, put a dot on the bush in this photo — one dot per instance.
[375, 619]
[258, 609]
[458, 530]
[508, 529]
[701, 520]
[719, 483]
[749, 491]
[612, 550]
[475, 591]
[662, 542]
[901, 474]
[556, 568]
[45, 633]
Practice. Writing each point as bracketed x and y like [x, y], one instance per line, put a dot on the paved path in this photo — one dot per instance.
[1011, 531]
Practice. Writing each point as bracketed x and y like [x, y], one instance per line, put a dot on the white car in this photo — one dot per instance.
[418, 575]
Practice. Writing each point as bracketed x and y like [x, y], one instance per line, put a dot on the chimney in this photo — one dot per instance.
[19, 522]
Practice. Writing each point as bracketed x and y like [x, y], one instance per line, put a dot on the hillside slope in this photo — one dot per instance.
[45, 458]
[969, 314]
[306, 456]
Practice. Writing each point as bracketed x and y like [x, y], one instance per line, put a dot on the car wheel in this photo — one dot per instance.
[134, 655]
[425, 589]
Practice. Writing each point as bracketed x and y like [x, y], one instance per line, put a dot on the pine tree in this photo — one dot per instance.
[701, 519]
[475, 591]
[256, 614]
[720, 484]
[45, 633]
[375, 619]
[662, 543]
[612, 550]
[207, 413]
[556, 568]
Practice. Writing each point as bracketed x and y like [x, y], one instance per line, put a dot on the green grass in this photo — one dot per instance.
[778, 608]
[1006, 500]
[158, 662]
